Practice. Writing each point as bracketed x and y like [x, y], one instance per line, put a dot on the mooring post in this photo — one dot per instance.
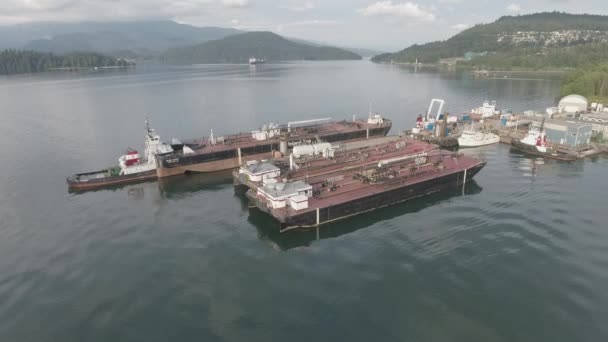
[464, 181]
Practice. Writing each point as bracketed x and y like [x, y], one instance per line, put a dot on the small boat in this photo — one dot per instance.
[474, 138]
[487, 110]
[254, 61]
[131, 167]
[535, 143]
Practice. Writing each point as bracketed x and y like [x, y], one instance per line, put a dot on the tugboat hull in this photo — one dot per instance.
[88, 181]
[532, 150]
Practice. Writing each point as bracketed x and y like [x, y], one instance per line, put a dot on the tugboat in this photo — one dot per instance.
[535, 143]
[131, 167]
[254, 61]
[474, 138]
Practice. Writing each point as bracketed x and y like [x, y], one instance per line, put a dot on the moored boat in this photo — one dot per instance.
[487, 110]
[217, 153]
[319, 200]
[472, 137]
[254, 61]
[535, 143]
[306, 162]
[131, 167]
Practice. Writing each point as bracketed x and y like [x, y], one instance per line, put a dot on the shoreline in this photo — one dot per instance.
[478, 71]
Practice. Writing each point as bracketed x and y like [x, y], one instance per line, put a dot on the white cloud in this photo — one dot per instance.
[406, 9]
[299, 6]
[514, 8]
[235, 22]
[451, 1]
[460, 27]
[235, 3]
[193, 11]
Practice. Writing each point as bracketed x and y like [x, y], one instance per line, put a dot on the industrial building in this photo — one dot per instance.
[573, 104]
[599, 121]
[569, 133]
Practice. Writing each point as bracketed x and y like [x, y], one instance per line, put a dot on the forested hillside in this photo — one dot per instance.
[539, 59]
[534, 31]
[590, 81]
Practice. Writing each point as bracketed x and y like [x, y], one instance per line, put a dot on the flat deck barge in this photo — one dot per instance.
[323, 199]
[229, 152]
[252, 174]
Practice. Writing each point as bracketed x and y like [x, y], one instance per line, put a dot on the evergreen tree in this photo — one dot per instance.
[19, 62]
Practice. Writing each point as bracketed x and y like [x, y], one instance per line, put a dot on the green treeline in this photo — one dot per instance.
[25, 62]
[590, 81]
[542, 59]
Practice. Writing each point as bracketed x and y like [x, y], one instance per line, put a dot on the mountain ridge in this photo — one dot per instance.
[139, 37]
[261, 44]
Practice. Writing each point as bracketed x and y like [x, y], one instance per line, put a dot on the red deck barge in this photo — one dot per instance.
[342, 161]
[326, 199]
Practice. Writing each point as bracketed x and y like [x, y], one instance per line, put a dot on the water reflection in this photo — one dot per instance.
[178, 186]
[533, 166]
[268, 229]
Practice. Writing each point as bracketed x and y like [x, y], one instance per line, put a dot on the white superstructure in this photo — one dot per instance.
[132, 163]
[487, 110]
[260, 171]
[473, 138]
[291, 194]
[536, 137]
[254, 61]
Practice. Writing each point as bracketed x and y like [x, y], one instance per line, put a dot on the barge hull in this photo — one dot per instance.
[209, 166]
[366, 204]
[168, 166]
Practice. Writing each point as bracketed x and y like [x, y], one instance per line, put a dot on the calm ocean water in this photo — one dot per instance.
[520, 255]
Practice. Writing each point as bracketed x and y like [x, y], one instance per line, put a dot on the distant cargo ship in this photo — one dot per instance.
[131, 167]
[229, 152]
[254, 61]
[312, 202]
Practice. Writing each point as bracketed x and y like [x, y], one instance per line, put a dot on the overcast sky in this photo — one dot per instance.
[387, 24]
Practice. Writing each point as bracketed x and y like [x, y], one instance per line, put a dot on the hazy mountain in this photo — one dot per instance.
[541, 30]
[238, 48]
[359, 51]
[135, 37]
[363, 52]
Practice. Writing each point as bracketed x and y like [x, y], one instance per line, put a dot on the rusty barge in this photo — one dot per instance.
[228, 152]
[332, 197]
[325, 160]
